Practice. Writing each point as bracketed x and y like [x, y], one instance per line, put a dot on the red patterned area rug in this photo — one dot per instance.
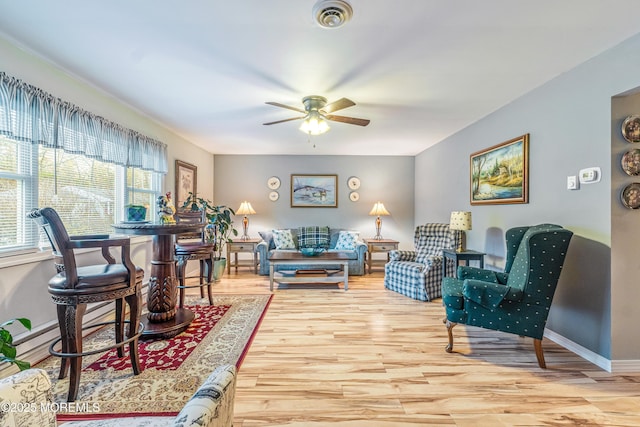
[173, 368]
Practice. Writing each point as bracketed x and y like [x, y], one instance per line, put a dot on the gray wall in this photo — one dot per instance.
[388, 179]
[625, 263]
[570, 126]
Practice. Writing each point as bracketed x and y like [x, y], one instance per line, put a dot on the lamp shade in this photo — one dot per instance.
[245, 209]
[379, 210]
[460, 220]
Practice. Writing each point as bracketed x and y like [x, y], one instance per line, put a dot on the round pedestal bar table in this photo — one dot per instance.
[164, 319]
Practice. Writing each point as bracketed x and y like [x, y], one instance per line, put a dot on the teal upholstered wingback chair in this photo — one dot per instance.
[517, 300]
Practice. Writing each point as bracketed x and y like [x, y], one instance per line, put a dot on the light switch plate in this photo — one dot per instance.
[572, 182]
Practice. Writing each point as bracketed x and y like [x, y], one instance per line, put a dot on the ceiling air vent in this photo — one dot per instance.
[332, 13]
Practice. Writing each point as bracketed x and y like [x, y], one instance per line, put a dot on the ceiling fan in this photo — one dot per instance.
[317, 112]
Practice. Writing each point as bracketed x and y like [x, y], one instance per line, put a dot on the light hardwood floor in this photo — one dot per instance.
[371, 357]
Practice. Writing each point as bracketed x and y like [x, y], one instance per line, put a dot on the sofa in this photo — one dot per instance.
[25, 396]
[332, 239]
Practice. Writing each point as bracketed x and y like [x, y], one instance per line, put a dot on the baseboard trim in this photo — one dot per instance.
[581, 351]
[33, 346]
[613, 366]
[621, 366]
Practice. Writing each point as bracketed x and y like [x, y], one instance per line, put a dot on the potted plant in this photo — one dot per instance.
[218, 231]
[7, 349]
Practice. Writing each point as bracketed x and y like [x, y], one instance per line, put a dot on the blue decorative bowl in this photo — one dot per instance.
[311, 251]
[136, 213]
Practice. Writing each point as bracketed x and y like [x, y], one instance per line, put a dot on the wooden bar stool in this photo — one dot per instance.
[193, 247]
[74, 287]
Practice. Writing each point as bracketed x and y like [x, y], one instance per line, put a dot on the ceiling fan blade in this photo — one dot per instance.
[285, 120]
[349, 120]
[338, 105]
[277, 104]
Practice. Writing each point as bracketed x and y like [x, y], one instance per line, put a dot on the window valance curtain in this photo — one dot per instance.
[30, 114]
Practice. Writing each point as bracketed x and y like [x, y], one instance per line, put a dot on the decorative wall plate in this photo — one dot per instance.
[353, 183]
[631, 129]
[273, 196]
[631, 162]
[354, 196]
[630, 196]
[273, 183]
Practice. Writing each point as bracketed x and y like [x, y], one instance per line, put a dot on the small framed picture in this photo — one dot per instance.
[186, 181]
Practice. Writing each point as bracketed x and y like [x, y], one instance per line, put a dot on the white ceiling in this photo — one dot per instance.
[420, 70]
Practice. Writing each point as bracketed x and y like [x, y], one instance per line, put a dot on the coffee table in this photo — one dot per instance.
[326, 258]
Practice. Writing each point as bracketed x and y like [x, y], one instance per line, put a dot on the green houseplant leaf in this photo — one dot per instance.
[8, 351]
[220, 227]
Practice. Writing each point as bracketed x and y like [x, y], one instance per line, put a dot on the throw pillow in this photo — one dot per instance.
[267, 236]
[347, 240]
[313, 237]
[283, 239]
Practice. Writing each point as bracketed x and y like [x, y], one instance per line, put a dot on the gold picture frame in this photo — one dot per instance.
[500, 174]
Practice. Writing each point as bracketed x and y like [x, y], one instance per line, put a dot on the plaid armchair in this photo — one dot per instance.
[418, 273]
[518, 300]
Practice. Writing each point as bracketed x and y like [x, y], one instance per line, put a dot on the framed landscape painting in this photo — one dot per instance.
[500, 174]
[314, 191]
[186, 182]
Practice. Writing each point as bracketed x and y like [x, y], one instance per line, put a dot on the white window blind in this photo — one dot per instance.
[80, 189]
[88, 194]
[17, 194]
[55, 154]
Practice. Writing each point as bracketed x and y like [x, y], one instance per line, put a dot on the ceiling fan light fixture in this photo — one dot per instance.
[314, 124]
[332, 13]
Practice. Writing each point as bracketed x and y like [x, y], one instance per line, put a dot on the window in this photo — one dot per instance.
[53, 153]
[88, 194]
[143, 187]
[16, 194]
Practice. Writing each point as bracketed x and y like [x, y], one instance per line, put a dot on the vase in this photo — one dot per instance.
[218, 268]
[136, 212]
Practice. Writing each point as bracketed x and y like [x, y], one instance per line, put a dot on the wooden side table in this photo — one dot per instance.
[379, 245]
[465, 256]
[237, 246]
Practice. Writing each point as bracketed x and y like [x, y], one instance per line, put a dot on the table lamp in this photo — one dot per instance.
[378, 211]
[245, 209]
[460, 221]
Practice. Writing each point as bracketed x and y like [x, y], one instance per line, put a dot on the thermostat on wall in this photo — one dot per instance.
[589, 175]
